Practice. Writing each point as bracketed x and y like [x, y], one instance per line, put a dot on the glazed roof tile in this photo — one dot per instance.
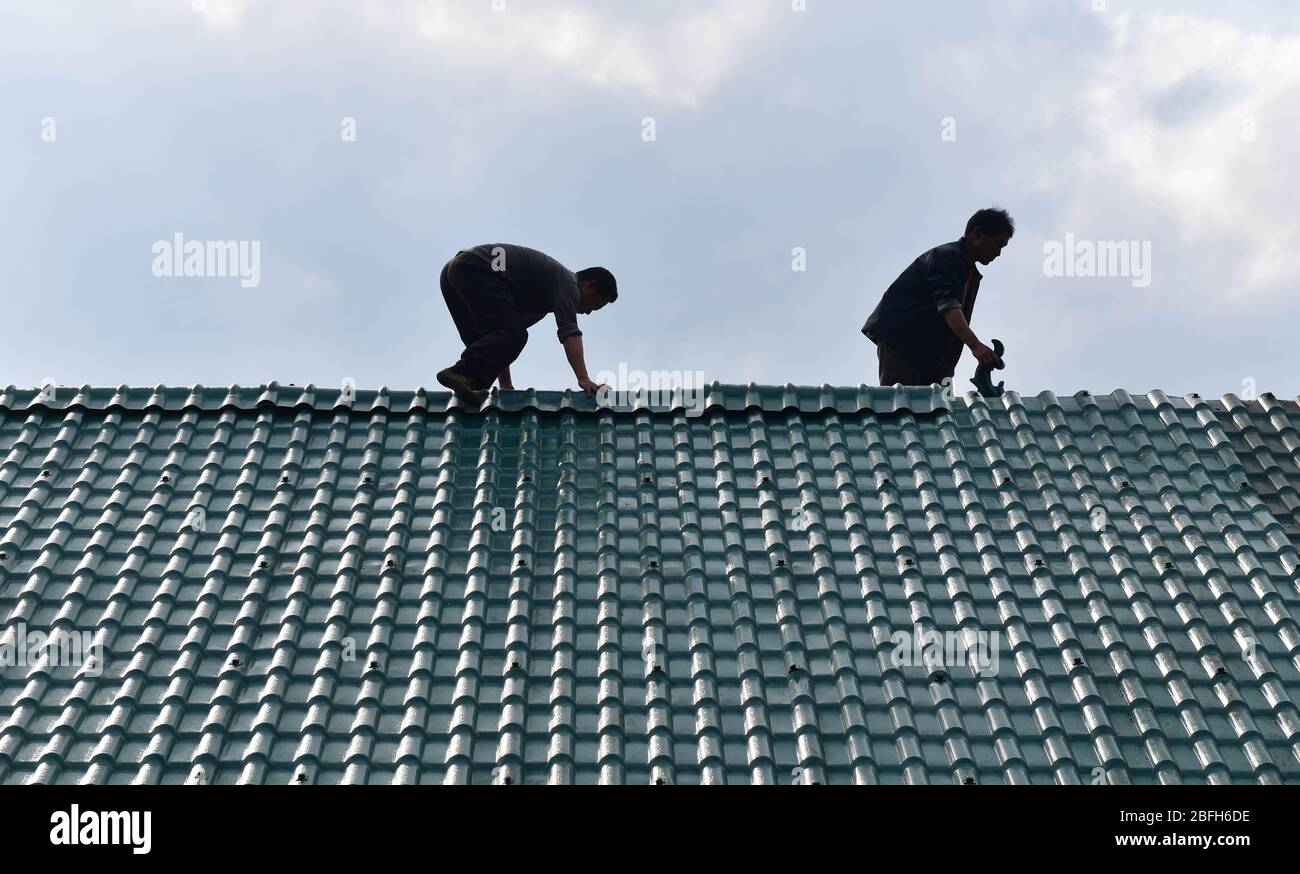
[299, 585]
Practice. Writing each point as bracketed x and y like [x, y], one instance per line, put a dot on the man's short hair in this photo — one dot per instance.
[993, 221]
[605, 282]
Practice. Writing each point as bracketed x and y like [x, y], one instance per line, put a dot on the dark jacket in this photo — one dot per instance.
[910, 315]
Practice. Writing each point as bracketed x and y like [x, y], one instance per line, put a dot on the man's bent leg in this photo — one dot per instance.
[459, 309]
[493, 329]
[485, 358]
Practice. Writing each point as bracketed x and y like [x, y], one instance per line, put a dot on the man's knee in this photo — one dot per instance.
[516, 338]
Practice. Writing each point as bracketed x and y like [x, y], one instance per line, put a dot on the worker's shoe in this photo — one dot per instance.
[464, 389]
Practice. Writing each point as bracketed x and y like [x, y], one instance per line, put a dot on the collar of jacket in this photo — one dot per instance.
[970, 259]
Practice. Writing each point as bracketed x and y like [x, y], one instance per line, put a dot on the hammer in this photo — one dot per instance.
[983, 375]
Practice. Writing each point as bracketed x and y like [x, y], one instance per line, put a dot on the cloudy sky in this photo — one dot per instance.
[860, 133]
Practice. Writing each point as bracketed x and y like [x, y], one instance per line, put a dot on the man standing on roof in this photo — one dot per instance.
[923, 320]
[496, 292]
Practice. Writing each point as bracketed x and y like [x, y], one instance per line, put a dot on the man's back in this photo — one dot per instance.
[909, 317]
[539, 282]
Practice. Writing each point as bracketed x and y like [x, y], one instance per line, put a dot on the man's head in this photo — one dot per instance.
[596, 287]
[988, 232]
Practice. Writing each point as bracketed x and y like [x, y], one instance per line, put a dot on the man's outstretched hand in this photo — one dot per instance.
[590, 387]
[573, 351]
[985, 356]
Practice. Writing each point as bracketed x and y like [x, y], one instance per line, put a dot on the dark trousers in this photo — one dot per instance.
[895, 367]
[486, 315]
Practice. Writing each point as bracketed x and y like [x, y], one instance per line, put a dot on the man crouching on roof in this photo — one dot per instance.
[495, 292]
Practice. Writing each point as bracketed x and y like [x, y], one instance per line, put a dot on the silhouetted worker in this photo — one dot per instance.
[923, 320]
[496, 292]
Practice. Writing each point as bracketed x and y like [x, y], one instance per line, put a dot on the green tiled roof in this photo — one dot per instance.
[300, 585]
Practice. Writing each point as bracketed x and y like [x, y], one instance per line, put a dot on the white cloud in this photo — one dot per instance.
[680, 52]
[221, 15]
[1171, 112]
[673, 50]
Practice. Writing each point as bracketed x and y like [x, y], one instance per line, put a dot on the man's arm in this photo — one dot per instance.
[573, 351]
[957, 322]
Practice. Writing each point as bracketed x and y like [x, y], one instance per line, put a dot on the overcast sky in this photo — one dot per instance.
[859, 132]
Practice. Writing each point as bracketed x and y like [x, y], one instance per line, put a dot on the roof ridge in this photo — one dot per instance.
[693, 399]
